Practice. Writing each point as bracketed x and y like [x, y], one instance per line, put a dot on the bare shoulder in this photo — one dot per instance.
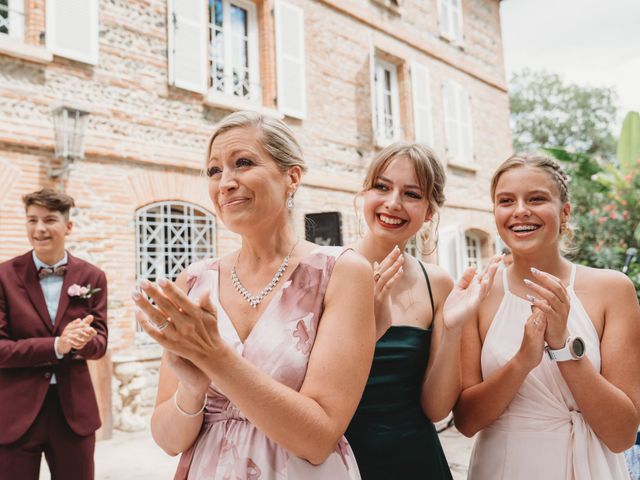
[441, 281]
[617, 285]
[353, 266]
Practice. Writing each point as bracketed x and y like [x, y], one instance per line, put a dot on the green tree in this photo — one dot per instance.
[606, 202]
[548, 112]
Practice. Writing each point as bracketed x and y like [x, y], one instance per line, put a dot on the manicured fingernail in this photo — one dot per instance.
[531, 298]
[535, 271]
[528, 282]
[136, 296]
[144, 283]
[163, 282]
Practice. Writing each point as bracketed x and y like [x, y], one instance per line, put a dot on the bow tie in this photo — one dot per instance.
[45, 272]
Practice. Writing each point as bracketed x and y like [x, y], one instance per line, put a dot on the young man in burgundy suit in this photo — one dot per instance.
[53, 317]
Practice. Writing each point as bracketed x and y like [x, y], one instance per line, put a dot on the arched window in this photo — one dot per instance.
[170, 236]
[459, 249]
[474, 251]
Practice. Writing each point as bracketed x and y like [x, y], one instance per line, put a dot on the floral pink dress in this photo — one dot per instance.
[229, 447]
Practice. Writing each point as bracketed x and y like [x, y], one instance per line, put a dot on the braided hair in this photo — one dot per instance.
[548, 164]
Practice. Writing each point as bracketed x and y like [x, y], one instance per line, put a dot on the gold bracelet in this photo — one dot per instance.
[187, 414]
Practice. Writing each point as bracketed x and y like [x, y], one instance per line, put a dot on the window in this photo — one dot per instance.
[233, 47]
[386, 103]
[451, 19]
[458, 250]
[169, 237]
[411, 247]
[12, 18]
[473, 250]
[458, 126]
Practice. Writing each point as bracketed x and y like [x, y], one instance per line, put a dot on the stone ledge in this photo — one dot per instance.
[458, 165]
[24, 51]
[234, 104]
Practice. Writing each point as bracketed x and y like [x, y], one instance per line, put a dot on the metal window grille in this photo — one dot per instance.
[12, 18]
[230, 48]
[169, 237]
[472, 243]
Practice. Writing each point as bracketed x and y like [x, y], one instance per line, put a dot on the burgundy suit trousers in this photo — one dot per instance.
[70, 456]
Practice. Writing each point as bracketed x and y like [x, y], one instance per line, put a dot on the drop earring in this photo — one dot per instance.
[290, 203]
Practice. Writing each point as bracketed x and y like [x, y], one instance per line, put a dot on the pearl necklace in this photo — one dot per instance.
[254, 300]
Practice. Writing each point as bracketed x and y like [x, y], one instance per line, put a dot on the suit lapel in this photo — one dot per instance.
[72, 276]
[27, 270]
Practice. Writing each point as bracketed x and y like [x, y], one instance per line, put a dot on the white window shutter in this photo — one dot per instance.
[450, 254]
[289, 21]
[374, 91]
[499, 244]
[456, 20]
[451, 120]
[422, 104]
[187, 44]
[16, 19]
[443, 10]
[466, 130]
[72, 29]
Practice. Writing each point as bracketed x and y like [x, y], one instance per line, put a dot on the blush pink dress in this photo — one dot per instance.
[541, 434]
[229, 447]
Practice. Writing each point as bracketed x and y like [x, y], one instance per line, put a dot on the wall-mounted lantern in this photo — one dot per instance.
[69, 125]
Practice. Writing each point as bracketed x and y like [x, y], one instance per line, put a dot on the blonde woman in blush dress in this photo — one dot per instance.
[551, 365]
[267, 348]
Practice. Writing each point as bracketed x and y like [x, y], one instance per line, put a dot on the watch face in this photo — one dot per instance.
[578, 347]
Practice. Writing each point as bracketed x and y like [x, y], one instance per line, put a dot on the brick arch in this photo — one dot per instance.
[161, 185]
[8, 176]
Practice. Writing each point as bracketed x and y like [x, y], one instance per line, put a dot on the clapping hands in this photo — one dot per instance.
[183, 327]
[467, 294]
[552, 299]
[385, 275]
[76, 335]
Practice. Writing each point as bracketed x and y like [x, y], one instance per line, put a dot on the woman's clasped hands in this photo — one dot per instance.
[552, 298]
[188, 331]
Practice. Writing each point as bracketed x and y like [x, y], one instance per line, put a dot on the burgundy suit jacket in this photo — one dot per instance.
[27, 357]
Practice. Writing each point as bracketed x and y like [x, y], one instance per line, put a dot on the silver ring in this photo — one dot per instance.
[164, 324]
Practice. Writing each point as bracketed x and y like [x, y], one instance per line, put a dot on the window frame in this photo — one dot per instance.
[452, 22]
[254, 95]
[13, 8]
[472, 241]
[164, 210]
[381, 66]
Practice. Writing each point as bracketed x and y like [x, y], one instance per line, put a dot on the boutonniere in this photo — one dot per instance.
[85, 293]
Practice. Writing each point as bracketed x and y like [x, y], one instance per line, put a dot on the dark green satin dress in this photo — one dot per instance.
[390, 435]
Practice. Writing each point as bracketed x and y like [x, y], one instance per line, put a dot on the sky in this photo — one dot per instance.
[588, 42]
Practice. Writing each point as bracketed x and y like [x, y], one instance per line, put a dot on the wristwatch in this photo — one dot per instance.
[573, 349]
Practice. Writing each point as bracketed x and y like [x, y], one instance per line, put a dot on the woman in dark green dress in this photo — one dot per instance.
[415, 376]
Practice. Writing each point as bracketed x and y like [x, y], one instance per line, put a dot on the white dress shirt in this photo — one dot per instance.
[51, 289]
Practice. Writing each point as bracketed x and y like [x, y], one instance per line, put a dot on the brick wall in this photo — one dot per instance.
[145, 139]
